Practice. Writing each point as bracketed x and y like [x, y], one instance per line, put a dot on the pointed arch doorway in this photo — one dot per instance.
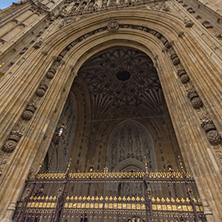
[121, 122]
[117, 85]
[85, 41]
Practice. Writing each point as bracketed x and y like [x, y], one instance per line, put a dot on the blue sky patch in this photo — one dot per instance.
[6, 3]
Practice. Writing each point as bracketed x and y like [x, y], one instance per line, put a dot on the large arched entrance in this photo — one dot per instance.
[71, 47]
[119, 113]
[115, 119]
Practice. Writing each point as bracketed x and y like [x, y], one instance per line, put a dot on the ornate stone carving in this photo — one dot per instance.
[196, 103]
[175, 59]
[212, 134]
[12, 141]
[167, 44]
[67, 21]
[40, 5]
[112, 25]
[158, 35]
[62, 54]
[183, 76]
[153, 32]
[29, 112]
[50, 74]
[69, 47]
[160, 7]
[9, 146]
[41, 90]
[208, 125]
[195, 99]
[214, 137]
[188, 23]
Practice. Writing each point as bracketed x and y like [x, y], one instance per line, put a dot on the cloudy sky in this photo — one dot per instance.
[6, 3]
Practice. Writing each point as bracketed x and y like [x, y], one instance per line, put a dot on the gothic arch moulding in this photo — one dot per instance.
[82, 40]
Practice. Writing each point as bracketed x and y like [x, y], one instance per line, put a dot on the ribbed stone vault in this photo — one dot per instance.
[122, 77]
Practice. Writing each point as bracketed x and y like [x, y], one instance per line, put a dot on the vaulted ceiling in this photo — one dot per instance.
[122, 78]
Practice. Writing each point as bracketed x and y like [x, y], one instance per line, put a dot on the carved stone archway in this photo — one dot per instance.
[32, 145]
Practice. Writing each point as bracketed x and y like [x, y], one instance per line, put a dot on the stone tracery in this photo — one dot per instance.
[130, 140]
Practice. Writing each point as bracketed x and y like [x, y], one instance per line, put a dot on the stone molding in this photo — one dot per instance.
[112, 24]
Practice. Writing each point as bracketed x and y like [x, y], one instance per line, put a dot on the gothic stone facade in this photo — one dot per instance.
[49, 51]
